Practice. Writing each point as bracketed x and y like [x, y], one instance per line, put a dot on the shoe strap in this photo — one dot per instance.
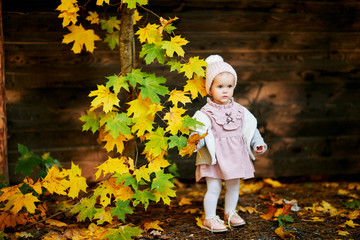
[214, 220]
[233, 213]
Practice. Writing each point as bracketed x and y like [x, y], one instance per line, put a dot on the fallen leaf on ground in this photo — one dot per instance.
[153, 225]
[285, 235]
[185, 201]
[273, 183]
[192, 210]
[56, 223]
[199, 222]
[270, 214]
[343, 233]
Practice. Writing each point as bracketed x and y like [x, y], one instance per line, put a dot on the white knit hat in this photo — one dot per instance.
[216, 65]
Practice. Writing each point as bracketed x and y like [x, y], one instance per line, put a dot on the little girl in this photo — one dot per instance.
[224, 153]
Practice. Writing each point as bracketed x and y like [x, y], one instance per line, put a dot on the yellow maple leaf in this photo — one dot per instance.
[56, 223]
[165, 195]
[112, 165]
[78, 182]
[350, 223]
[273, 183]
[185, 201]
[139, 107]
[199, 222]
[104, 97]
[137, 17]
[7, 192]
[111, 142]
[194, 66]
[142, 173]
[343, 233]
[142, 125]
[18, 201]
[149, 34]
[158, 163]
[174, 120]
[191, 210]
[174, 46]
[55, 182]
[81, 37]
[196, 86]
[252, 187]
[177, 96]
[93, 17]
[153, 109]
[101, 2]
[353, 215]
[103, 215]
[317, 219]
[123, 192]
[153, 225]
[68, 9]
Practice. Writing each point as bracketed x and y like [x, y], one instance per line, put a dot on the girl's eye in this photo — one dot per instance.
[230, 86]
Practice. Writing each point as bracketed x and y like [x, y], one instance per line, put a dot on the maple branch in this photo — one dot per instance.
[148, 10]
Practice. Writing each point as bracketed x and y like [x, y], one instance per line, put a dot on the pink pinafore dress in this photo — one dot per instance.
[232, 157]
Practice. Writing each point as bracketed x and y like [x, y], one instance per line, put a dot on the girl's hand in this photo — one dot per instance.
[260, 149]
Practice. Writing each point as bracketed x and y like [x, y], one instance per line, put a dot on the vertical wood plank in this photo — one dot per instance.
[3, 135]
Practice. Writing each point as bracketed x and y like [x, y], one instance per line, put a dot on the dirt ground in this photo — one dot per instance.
[324, 220]
[307, 224]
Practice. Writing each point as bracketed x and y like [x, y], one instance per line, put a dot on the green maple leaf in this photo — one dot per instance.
[127, 180]
[151, 88]
[110, 24]
[174, 65]
[122, 233]
[157, 142]
[195, 65]
[169, 28]
[191, 122]
[117, 82]
[91, 121]
[86, 209]
[143, 197]
[132, 3]
[27, 161]
[176, 141]
[120, 123]
[136, 76]
[112, 39]
[153, 51]
[162, 180]
[121, 209]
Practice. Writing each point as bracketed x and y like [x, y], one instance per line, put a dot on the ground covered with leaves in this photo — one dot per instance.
[272, 210]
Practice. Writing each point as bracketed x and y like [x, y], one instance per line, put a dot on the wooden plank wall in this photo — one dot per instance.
[298, 64]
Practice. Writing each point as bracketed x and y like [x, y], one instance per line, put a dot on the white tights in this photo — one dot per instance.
[213, 192]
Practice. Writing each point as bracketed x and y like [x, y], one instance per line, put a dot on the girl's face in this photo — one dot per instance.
[222, 88]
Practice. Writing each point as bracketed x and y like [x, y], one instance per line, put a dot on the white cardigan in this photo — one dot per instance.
[206, 155]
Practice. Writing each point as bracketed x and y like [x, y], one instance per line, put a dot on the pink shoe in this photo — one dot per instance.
[233, 219]
[214, 224]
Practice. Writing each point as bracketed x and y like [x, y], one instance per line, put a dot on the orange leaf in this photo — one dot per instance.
[270, 214]
[284, 235]
[11, 220]
[192, 141]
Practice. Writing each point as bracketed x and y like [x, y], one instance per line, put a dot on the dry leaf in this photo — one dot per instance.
[285, 235]
[56, 223]
[185, 201]
[273, 183]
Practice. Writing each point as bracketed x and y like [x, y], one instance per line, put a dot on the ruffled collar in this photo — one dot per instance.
[220, 106]
[229, 116]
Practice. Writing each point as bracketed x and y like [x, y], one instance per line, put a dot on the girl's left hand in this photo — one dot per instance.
[260, 149]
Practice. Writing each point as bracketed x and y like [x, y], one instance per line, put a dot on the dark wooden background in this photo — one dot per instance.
[298, 64]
